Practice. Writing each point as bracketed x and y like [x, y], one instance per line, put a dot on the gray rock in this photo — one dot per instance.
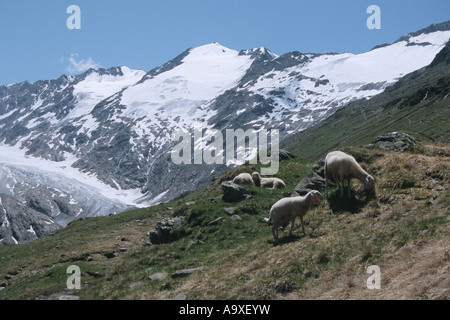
[180, 297]
[235, 217]
[395, 141]
[191, 243]
[215, 221]
[233, 192]
[158, 276]
[69, 297]
[314, 180]
[161, 232]
[24, 224]
[111, 255]
[33, 273]
[230, 210]
[185, 272]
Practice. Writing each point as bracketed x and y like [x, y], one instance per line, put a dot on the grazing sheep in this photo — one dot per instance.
[274, 183]
[289, 208]
[243, 178]
[344, 167]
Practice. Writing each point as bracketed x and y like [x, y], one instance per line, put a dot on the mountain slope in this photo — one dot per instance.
[111, 129]
[417, 103]
[20, 224]
[403, 229]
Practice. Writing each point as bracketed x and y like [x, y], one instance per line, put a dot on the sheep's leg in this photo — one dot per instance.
[349, 189]
[275, 234]
[303, 226]
[326, 185]
[341, 183]
[292, 226]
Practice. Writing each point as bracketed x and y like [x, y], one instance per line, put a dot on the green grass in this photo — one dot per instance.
[343, 236]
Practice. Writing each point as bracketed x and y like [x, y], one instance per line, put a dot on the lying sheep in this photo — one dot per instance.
[274, 183]
[287, 209]
[243, 178]
[344, 167]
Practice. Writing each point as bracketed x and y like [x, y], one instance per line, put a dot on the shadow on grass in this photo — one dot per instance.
[284, 239]
[345, 204]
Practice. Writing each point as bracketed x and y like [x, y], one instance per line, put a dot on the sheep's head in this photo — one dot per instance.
[369, 182]
[256, 178]
[316, 197]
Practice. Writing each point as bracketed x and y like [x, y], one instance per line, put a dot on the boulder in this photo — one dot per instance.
[233, 192]
[158, 276]
[395, 141]
[230, 210]
[161, 232]
[314, 180]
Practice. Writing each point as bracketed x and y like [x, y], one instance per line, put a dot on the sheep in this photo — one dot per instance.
[289, 208]
[243, 178]
[344, 167]
[274, 183]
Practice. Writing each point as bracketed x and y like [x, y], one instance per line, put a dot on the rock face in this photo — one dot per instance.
[20, 224]
[395, 141]
[233, 192]
[314, 180]
[161, 232]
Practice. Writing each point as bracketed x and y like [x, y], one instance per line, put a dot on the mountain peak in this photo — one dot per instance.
[214, 48]
[435, 27]
[263, 52]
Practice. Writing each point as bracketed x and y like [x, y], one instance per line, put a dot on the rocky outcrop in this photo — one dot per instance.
[233, 192]
[314, 180]
[161, 232]
[21, 224]
[395, 141]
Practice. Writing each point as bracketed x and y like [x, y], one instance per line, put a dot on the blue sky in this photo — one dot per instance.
[35, 43]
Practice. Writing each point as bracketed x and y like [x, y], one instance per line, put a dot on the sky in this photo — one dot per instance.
[36, 43]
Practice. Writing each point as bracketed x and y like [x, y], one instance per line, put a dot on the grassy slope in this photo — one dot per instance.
[404, 229]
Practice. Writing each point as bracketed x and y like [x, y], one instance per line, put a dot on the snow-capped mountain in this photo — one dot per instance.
[104, 137]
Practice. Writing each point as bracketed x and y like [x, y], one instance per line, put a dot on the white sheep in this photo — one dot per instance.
[344, 167]
[287, 209]
[243, 178]
[274, 183]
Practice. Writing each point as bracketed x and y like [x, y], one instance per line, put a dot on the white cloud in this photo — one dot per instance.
[81, 65]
